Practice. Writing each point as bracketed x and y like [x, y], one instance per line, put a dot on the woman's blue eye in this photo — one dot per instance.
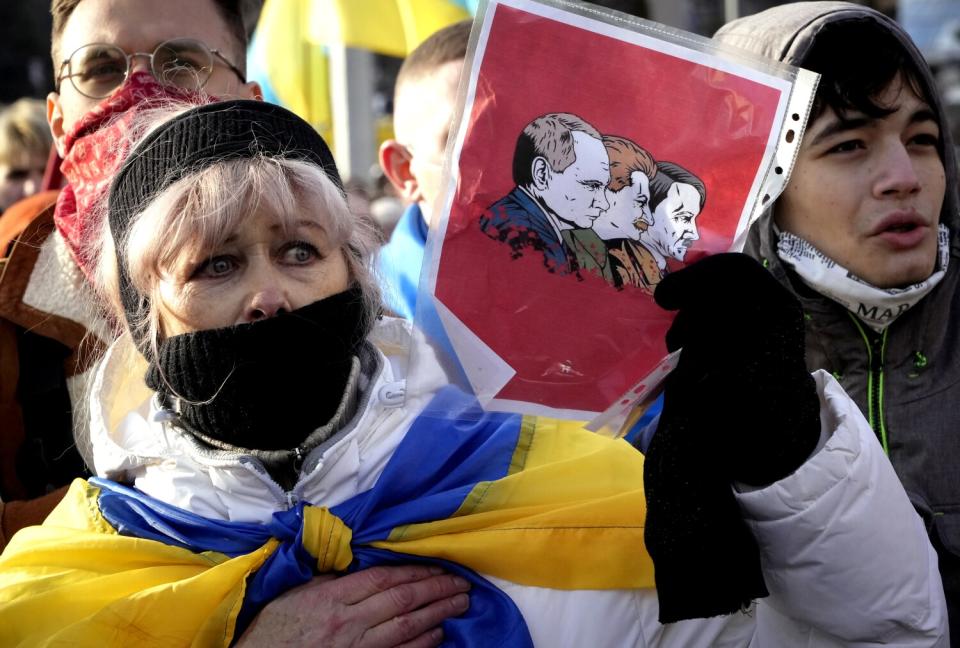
[299, 253]
[217, 266]
[220, 266]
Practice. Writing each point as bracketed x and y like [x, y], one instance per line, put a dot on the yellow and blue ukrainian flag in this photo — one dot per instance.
[291, 70]
[288, 57]
[393, 27]
[539, 502]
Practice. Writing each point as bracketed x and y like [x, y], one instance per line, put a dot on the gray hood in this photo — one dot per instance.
[908, 380]
[786, 33]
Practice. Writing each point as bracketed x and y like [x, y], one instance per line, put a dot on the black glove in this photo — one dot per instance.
[743, 366]
[740, 407]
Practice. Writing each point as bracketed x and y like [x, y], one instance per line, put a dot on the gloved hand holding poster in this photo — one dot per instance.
[594, 153]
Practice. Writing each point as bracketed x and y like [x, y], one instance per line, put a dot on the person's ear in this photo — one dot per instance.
[395, 159]
[541, 173]
[252, 90]
[55, 120]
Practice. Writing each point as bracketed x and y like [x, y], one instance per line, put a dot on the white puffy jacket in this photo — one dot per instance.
[845, 557]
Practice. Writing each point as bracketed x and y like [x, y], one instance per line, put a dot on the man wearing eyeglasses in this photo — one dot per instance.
[112, 58]
[90, 38]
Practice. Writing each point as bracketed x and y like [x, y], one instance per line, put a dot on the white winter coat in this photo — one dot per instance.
[845, 557]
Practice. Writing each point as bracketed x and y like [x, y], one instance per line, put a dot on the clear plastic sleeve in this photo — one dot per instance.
[593, 152]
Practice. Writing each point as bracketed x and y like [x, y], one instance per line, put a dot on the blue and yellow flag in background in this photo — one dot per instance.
[291, 69]
[393, 27]
[534, 501]
[288, 58]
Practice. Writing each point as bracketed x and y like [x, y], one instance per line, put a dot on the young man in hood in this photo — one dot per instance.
[866, 236]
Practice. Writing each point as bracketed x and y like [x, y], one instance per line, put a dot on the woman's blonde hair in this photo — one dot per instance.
[24, 132]
[198, 213]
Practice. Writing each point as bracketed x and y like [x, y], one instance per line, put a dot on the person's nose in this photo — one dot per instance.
[140, 62]
[897, 177]
[264, 304]
[267, 296]
[601, 201]
[646, 216]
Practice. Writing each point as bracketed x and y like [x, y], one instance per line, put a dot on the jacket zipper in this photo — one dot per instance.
[876, 352]
[292, 497]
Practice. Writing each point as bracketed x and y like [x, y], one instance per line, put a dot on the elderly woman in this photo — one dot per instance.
[276, 442]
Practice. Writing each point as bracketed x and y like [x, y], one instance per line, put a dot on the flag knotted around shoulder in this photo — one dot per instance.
[538, 502]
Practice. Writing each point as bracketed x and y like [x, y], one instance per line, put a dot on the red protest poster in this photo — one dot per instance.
[591, 160]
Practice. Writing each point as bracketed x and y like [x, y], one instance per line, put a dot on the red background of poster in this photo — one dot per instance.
[582, 344]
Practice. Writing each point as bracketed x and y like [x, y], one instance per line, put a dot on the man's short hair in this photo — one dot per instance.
[550, 137]
[24, 131]
[231, 11]
[667, 174]
[443, 46]
[625, 158]
[857, 60]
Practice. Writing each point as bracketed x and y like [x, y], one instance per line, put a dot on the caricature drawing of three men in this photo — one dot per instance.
[595, 203]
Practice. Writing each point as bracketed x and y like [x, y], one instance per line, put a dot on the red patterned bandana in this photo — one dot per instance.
[93, 151]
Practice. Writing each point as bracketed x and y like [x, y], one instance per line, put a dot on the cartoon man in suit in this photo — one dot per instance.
[561, 171]
[676, 197]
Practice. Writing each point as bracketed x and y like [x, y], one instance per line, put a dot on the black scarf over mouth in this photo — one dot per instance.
[265, 385]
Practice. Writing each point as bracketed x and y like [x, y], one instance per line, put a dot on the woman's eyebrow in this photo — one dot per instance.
[300, 223]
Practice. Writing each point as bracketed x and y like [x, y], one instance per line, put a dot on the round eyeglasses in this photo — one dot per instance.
[97, 69]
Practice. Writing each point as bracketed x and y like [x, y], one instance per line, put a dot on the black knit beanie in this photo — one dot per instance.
[192, 141]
